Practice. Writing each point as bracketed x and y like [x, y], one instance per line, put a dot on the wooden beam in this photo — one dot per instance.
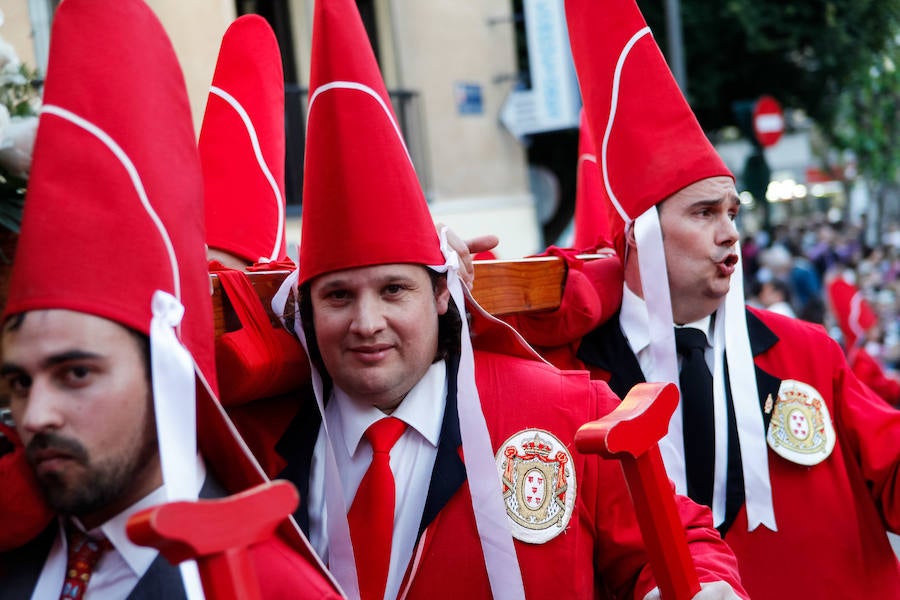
[502, 287]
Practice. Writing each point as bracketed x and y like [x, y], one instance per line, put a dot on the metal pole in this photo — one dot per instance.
[676, 43]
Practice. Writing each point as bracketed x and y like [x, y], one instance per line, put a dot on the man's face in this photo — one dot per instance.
[82, 405]
[699, 238]
[377, 329]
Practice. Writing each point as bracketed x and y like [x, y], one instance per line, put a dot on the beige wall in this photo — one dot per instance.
[438, 44]
[195, 28]
[478, 170]
[16, 29]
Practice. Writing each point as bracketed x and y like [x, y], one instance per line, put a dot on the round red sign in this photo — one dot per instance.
[768, 121]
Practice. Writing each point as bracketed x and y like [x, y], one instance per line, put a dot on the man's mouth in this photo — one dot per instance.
[50, 459]
[50, 451]
[727, 265]
[370, 352]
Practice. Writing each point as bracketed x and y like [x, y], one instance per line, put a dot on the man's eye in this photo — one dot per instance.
[18, 384]
[76, 375]
[393, 289]
[338, 295]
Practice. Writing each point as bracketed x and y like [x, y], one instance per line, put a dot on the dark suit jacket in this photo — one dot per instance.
[607, 349]
[21, 567]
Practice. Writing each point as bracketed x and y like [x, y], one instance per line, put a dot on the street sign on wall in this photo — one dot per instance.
[553, 102]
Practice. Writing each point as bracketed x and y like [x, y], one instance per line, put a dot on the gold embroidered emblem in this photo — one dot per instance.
[538, 485]
[801, 429]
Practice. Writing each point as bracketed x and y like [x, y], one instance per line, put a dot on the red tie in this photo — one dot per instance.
[371, 516]
[84, 553]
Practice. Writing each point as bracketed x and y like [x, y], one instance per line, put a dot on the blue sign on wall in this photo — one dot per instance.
[468, 98]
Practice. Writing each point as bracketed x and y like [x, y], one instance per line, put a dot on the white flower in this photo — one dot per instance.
[17, 145]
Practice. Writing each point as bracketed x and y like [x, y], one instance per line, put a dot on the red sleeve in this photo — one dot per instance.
[592, 293]
[869, 428]
[869, 371]
[284, 575]
[24, 513]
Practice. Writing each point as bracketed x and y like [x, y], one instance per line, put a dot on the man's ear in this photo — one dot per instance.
[441, 295]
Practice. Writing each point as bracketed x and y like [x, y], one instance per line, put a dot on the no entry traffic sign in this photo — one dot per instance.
[768, 121]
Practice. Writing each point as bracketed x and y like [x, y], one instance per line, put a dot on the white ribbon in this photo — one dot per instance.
[655, 285]
[341, 561]
[745, 396]
[174, 403]
[720, 421]
[481, 470]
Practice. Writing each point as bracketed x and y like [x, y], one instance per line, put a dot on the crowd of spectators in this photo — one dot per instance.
[789, 272]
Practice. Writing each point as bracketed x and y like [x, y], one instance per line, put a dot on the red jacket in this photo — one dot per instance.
[599, 554]
[831, 516]
[602, 546]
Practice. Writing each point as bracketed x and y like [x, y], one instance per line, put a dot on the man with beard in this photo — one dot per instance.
[79, 366]
[108, 353]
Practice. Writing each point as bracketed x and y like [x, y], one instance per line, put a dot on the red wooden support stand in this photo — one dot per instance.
[217, 533]
[631, 434]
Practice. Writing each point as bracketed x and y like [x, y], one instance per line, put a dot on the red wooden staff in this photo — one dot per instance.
[631, 434]
[217, 533]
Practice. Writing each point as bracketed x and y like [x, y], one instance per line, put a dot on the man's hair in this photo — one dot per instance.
[449, 325]
[14, 323]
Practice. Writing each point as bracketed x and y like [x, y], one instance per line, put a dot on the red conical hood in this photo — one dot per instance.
[114, 206]
[852, 311]
[649, 142]
[592, 206]
[362, 202]
[242, 145]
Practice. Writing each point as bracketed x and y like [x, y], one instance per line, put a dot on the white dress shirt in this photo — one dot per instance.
[636, 328]
[412, 460]
[120, 568]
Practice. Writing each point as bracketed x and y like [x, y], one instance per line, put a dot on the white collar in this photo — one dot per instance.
[635, 323]
[138, 558]
[703, 325]
[422, 409]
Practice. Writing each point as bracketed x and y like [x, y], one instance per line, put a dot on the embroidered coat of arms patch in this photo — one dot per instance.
[538, 484]
[801, 429]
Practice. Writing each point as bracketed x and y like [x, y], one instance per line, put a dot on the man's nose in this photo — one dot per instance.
[727, 233]
[368, 317]
[40, 410]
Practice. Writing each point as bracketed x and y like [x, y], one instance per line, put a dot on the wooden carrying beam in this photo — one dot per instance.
[502, 287]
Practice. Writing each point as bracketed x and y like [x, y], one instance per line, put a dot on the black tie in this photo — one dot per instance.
[697, 414]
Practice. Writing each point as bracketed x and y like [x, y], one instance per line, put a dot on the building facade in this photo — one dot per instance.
[450, 68]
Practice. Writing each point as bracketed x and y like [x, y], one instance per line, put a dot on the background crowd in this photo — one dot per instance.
[789, 272]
